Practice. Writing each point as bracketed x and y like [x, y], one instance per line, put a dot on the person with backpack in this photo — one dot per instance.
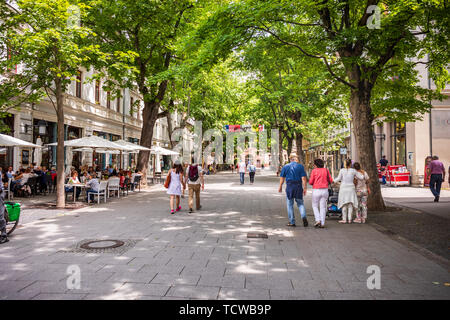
[195, 178]
[251, 172]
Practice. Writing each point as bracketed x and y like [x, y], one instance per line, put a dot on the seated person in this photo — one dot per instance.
[73, 179]
[92, 186]
[10, 173]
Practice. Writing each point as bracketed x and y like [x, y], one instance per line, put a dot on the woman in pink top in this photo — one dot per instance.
[320, 179]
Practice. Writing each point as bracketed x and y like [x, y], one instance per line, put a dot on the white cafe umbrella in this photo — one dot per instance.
[131, 145]
[134, 146]
[101, 151]
[162, 151]
[8, 141]
[93, 142]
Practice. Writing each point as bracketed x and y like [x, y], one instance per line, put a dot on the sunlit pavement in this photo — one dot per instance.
[419, 199]
[207, 255]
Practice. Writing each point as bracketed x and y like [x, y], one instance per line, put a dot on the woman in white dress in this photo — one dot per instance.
[174, 190]
[347, 194]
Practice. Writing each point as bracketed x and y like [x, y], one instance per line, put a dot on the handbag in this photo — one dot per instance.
[167, 182]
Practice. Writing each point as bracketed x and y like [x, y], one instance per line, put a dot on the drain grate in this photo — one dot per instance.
[257, 235]
[102, 246]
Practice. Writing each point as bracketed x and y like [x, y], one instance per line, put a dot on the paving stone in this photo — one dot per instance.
[243, 294]
[237, 282]
[175, 280]
[199, 292]
[144, 289]
[55, 296]
[138, 277]
[277, 294]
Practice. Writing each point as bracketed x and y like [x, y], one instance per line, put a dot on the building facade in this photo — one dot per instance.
[89, 110]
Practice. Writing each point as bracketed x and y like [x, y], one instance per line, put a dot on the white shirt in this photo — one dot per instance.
[242, 167]
[361, 183]
[348, 175]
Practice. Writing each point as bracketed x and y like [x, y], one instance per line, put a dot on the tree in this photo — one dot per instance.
[149, 30]
[345, 37]
[296, 91]
[47, 40]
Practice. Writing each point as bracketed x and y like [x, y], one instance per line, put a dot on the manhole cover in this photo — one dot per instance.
[257, 235]
[102, 244]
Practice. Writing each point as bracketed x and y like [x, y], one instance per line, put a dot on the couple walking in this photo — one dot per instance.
[176, 178]
[296, 187]
[243, 168]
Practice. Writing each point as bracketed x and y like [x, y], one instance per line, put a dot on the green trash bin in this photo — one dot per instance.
[13, 210]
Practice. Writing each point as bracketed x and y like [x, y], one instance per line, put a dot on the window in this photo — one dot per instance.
[131, 106]
[78, 85]
[398, 143]
[108, 99]
[97, 91]
[118, 104]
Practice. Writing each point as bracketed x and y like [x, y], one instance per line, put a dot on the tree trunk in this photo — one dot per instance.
[60, 194]
[362, 122]
[149, 117]
[299, 145]
[169, 128]
[290, 140]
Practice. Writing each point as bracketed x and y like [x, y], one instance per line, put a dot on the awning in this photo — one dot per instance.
[8, 141]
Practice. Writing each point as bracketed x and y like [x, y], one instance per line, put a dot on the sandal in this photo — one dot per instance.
[290, 225]
[317, 225]
[342, 221]
[357, 220]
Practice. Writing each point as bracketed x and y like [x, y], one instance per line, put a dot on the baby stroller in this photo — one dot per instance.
[332, 201]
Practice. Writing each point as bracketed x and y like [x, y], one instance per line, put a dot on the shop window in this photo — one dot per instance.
[398, 143]
[78, 85]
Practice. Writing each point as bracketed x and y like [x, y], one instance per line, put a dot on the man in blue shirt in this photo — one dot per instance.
[294, 174]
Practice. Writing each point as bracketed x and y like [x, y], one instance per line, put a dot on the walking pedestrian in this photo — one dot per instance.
[195, 178]
[437, 172]
[383, 165]
[242, 170]
[347, 194]
[176, 180]
[295, 176]
[251, 172]
[362, 193]
[320, 179]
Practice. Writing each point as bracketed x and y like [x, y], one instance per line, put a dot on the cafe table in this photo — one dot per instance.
[75, 186]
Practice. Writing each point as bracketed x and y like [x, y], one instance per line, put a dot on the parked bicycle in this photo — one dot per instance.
[12, 216]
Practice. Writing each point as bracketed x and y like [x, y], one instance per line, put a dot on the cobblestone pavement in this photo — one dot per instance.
[207, 255]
